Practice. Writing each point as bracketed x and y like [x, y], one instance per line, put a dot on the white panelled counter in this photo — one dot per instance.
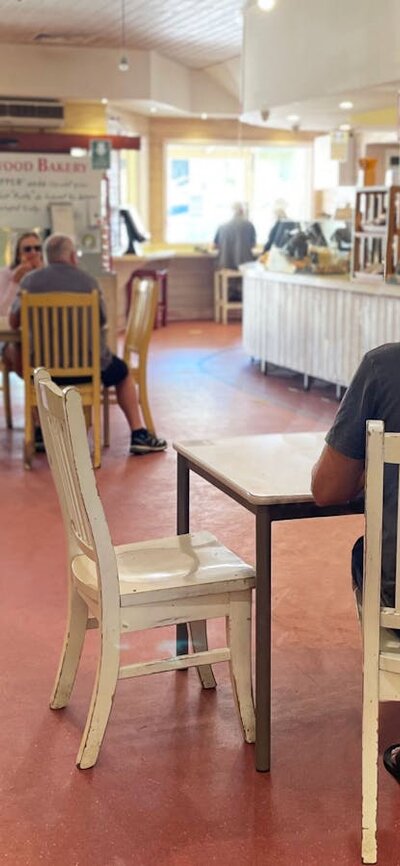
[319, 326]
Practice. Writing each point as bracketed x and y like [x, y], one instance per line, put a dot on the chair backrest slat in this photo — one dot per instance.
[141, 316]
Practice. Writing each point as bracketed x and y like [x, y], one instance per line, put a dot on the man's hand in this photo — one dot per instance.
[336, 478]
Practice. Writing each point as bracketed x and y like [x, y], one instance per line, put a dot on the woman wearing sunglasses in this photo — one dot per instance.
[28, 257]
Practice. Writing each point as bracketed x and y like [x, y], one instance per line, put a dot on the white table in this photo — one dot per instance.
[270, 476]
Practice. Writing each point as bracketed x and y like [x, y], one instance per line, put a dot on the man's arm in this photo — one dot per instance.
[336, 478]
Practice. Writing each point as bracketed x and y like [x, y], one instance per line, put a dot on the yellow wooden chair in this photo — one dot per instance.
[61, 332]
[136, 586]
[381, 645]
[139, 327]
[5, 388]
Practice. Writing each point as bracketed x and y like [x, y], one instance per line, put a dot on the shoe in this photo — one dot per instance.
[391, 760]
[143, 442]
[39, 444]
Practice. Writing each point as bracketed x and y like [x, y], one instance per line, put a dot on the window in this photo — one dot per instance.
[203, 181]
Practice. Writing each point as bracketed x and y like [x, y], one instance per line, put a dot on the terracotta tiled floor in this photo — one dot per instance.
[174, 784]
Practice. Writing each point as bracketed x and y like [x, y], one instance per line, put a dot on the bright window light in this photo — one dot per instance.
[266, 5]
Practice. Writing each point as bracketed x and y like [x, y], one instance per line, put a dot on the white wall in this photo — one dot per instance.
[309, 48]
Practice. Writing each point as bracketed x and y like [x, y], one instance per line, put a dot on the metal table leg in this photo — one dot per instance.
[263, 638]
[182, 526]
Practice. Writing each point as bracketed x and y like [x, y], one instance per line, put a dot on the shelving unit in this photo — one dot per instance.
[376, 243]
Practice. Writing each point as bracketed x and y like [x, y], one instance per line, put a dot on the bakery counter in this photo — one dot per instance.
[320, 326]
[190, 282]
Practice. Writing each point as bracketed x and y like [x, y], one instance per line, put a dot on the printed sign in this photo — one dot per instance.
[100, 153]
[30, 182]
[339, 145]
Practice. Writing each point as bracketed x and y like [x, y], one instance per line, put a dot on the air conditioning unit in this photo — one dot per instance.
[30, 112]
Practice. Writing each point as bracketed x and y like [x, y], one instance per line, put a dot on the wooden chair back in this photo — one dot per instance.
[141, 316]
[381, 646]
[64, 432]
[140, 323]
[61, 332]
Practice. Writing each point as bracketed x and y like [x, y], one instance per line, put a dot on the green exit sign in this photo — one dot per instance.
[100, 153]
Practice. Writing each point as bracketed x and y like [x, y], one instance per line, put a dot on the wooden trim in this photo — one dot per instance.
[56, 142]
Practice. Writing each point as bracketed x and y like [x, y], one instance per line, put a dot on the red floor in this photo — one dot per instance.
[174, 784]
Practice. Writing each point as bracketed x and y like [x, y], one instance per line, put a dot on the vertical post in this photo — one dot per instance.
[263, 638]
[182, 527]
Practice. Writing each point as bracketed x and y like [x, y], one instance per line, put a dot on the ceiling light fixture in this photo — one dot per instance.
[204, 116]
[123, 64]
[153, 109]
[293, 118]
[266, 5]
[345, 127]
[346, 105]
[104, 100]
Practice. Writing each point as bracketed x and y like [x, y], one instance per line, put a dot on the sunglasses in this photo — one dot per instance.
[30, 248]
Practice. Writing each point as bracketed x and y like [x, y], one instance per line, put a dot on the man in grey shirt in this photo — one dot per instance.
[63, 274]
[339, 473]
[235, 240]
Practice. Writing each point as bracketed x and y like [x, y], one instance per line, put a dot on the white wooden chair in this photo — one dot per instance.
[222, 304]
[186, 578]
[381, 648]
[139, 328]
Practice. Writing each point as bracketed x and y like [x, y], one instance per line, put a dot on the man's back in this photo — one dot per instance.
[59, 277]
[64, 277]
[235, 241]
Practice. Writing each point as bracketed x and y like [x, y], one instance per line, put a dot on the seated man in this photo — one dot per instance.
[62, 274]
[339, 473]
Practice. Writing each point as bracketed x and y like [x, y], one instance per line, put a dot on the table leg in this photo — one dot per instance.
[263, 638]
[182, 527]
[198, 630]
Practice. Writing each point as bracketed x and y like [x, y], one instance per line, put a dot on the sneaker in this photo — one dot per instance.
[143, 442]
[39, 444]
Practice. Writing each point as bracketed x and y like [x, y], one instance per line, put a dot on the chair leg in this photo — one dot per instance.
[106, 418]
[101, 703]
[96, 418]
[216, 296]
[224, 300]
[143, 397]
[198, 636]
[369, 776]
[238, 627]
[29, 446]
[7, 396]
[71, 651]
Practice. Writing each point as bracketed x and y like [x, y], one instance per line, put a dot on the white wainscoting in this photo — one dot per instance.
[319, 326]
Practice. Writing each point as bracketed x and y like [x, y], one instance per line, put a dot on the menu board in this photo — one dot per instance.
[31, 182]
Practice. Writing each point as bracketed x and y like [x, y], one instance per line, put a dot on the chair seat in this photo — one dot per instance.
[179, 566]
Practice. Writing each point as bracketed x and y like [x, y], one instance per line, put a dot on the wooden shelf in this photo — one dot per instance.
[376, 245]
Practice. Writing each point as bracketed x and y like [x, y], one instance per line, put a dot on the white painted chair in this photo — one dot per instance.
[222, 304]
[381, 648]
[186, 578]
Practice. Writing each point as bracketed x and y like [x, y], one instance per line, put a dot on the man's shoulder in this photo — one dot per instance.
[384, 356]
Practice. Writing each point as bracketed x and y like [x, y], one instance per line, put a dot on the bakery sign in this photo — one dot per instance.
[30, 182]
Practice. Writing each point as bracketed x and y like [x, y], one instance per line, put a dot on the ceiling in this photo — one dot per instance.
[196, 33]
[200, 35]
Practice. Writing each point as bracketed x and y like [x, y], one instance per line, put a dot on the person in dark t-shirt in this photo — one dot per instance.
[338, 476]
